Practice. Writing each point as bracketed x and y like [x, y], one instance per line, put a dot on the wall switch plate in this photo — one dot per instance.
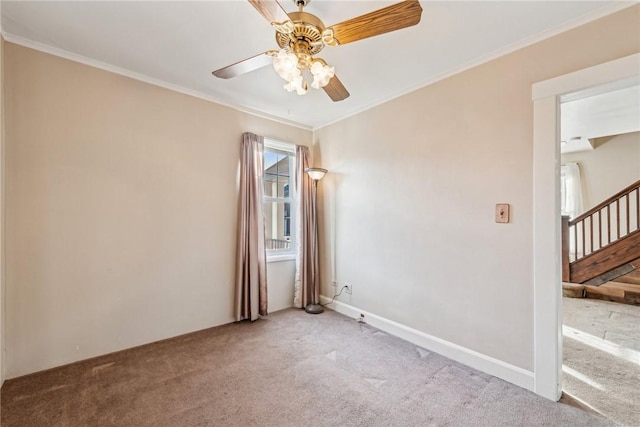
[502, 213]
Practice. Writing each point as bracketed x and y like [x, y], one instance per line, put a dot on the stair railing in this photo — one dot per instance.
[600, 226]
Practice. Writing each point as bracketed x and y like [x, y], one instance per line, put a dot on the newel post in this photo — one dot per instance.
[566, 272]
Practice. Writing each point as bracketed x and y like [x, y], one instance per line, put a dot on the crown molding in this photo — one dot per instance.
[12, 38]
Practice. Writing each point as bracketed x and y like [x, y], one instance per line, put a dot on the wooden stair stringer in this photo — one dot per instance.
[632, 277]
[623, 251]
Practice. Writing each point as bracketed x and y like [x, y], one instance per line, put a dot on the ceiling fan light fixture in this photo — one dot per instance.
[290, 66]
[322, 73]
[297, 84]
[286, 65]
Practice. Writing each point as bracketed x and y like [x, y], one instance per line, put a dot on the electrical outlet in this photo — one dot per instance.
[349, 289]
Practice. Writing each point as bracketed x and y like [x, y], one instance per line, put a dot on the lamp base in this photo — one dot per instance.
[314, 309]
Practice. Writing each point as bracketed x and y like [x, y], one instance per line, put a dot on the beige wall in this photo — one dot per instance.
[408, 206]
[612, 166]
[120, 213]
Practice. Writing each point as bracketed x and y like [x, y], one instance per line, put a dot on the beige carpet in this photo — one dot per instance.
[293, 369]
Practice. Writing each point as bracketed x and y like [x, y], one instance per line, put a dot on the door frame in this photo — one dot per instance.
[547, 269]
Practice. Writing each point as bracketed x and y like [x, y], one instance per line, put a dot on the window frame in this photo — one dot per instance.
[290, 149]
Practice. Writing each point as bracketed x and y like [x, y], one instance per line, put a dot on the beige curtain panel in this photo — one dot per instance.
[307, 286]
[251, 261]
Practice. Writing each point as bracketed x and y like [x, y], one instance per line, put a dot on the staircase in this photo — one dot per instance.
[632, 278]
[603, 244]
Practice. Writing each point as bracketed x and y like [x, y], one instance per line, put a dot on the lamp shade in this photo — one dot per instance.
[316, 174]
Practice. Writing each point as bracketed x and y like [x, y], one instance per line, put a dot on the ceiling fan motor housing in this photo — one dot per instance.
[307, 28]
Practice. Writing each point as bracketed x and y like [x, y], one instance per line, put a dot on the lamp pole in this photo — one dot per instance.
[315, 174]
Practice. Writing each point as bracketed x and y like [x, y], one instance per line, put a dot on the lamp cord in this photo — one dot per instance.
[336, 295]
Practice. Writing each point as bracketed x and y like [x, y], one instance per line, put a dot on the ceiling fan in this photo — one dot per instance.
[302, 35]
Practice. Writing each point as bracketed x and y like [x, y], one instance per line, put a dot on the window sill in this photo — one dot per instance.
[281, 257]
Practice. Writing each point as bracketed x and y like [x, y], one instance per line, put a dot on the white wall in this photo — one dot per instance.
[280, 279]
[408, 211]
[613, 165]
[121, 201]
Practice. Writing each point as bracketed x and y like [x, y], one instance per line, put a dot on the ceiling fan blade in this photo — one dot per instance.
[391, 18]
[274, 14]
[244, 66]
[336, 90]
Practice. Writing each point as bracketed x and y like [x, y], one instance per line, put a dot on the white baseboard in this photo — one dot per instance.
[497, 368]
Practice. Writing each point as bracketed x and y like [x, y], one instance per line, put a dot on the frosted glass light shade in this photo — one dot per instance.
[286, 65]
[322, 73]
[297, 84]
[316, 174]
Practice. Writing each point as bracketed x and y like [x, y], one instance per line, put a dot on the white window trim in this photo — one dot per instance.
[277, 257]
[279, 145]
[287, 255]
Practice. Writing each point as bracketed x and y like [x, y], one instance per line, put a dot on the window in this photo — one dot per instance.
[279, 169]
[570, 190]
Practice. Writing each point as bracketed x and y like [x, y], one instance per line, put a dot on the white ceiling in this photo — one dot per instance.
[177, 45]
[610, 113]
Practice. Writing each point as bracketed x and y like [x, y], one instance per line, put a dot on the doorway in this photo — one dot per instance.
[600, 157]
[546, 201]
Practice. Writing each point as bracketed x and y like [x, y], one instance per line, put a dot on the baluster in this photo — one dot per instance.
[618, 218]
[590, 233]
[575, 242]
[608, 224]
[583, 239]
[627, 196]
[599, 228]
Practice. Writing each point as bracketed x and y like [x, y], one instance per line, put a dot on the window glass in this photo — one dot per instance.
[278, 199]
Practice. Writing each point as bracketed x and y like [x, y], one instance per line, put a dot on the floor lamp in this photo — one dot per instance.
[316, 175]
